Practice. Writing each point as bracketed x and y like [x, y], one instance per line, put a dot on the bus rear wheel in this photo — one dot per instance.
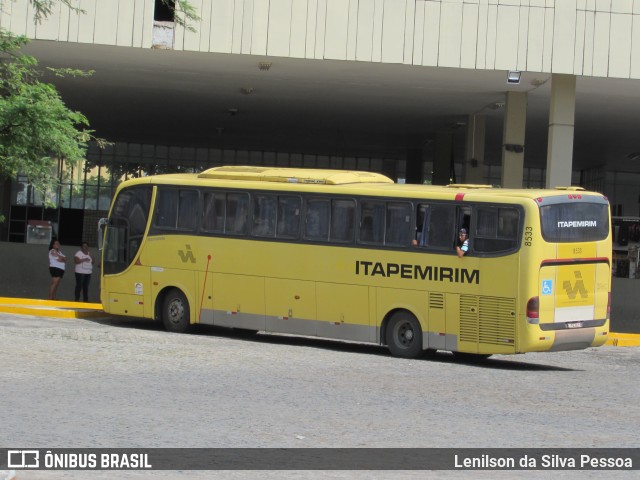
[404, 336]
[175, 312]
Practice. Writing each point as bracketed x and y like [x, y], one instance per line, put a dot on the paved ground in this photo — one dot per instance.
[116, 383]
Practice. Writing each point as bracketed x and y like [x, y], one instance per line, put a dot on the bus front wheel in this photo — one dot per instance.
[404, 336]
[175, 312]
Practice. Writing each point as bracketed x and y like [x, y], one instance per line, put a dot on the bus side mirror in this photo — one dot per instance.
[102, 226]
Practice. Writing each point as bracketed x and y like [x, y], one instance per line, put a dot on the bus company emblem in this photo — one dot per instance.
[578, 223]
[188, 255]
[572, 291]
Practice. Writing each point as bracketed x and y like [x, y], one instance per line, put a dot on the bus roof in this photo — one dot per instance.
[294, 175]
[352, 182]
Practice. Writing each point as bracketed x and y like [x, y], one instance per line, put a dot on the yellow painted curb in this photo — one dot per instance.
[50, 308]
[623, 340]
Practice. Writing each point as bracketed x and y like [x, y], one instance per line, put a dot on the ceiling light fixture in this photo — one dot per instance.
[514, 76]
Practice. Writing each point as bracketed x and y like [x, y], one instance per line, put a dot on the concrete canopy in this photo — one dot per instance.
[327, 106]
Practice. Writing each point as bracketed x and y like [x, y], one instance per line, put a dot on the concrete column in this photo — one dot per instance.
[442, 158]
[561, 126]
[474, 154]
[515, 117]
[414, 165]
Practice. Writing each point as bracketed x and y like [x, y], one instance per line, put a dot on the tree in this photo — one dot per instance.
[36, 127]
[184, 12]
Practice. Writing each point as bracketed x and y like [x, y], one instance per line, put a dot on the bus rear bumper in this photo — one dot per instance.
[577, 339]
[558, 337]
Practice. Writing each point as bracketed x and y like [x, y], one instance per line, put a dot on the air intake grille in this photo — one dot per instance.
[436, 300]
[468, 318]
[487, 320]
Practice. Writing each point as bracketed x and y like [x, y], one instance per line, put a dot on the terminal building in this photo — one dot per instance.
[514, 93]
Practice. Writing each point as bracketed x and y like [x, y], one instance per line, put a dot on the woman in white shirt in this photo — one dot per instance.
[56, 267]
[84, 268]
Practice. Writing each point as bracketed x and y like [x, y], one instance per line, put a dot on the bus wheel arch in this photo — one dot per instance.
[401, 332]
[173, 310]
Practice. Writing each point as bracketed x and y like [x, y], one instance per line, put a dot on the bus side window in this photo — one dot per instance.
[177, 209]
[442, 228]
[342, 218]
[213, 212]
[422, 225]
[188, 209]
[288, 217]
[264, 216]
[167, 211]
[237, 210]
[496, 229]
[317, 220]
[372, 222]
[398, 231]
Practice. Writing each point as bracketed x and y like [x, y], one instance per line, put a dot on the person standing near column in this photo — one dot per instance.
[56, 267]
[84, 268]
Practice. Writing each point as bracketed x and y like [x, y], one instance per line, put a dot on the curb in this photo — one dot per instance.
[623, 340]
[50, 308]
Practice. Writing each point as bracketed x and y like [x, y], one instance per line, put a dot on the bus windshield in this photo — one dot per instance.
[127, 224]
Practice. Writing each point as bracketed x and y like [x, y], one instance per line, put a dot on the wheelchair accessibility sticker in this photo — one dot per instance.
[547, 287]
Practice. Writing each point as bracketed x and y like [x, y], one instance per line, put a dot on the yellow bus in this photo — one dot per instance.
[353, 256]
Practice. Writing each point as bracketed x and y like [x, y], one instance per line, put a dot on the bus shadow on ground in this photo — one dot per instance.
[330, 344]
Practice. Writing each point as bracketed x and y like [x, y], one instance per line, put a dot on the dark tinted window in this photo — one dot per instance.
[264, 216]
[317, 219]
[342, 220]
[188, 209]
[237, 212]
[177, 209]
[372, 222]
[441, 221]
[288, 217]
[497, 229]
[575, 222]
[398, 231]
[167, 209]
[213, 213]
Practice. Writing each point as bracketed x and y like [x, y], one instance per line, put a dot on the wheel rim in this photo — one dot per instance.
[175, 311]
[405, 334]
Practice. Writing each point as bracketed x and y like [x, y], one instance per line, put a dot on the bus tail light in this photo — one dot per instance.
[609, 305]
[533, 309]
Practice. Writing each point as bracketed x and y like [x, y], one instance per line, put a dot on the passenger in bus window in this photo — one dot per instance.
[463, 243]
